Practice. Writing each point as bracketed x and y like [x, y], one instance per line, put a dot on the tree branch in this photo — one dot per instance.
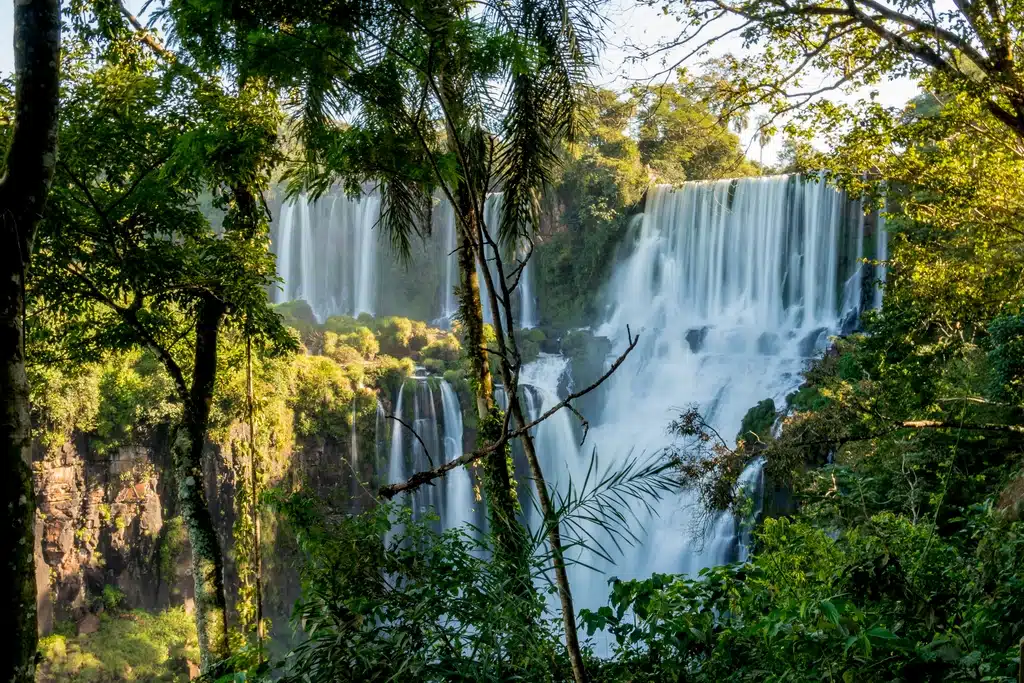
[427, 476]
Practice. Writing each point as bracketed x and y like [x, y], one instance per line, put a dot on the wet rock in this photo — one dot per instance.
[769, 344]
[814, 342]
[695, 338]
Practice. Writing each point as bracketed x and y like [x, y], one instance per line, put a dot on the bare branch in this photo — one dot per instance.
[427, 476]
[407, 426]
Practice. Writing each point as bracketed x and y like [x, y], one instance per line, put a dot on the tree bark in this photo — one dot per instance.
[509, 536]
[508, 346]
[207, 559]
[23, 190]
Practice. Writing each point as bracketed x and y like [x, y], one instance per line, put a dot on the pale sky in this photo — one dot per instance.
[627, 23]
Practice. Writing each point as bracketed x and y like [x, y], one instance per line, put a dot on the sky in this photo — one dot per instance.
[628, 23]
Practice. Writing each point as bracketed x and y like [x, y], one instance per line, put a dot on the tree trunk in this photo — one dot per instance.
[509, 536]
[207, 560]
[507, 345]
[23, 189]
[572, 643]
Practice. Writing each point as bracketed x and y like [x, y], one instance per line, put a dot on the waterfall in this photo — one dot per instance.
[527, 301]
[444, 224]
[335, 271]
[731, 286]
[458, 503]
[396, 463]
[444, 218]
[283, 251]
[882, 256]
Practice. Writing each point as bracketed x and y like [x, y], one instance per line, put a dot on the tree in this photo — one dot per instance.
[417, 82]
[681, 139]
[128, 259]
[970, 48]
[30, 132]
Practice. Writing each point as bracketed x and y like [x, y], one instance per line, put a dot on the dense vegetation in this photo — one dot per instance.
[888, 542]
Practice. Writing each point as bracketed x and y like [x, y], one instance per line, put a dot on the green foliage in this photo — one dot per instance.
[882, 601]
[446, 349]
[132, 646]
[112, 598]
[300, 317]
[135, 394]
[680, 138]
[413, 606]
[115, 400]
[63, 402]
[169, 546]
[1006, 335]
[321, 396]
[758, 422]
[596, 195]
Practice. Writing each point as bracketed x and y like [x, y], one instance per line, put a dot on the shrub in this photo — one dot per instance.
[446, 349]
[134, 646]
[321, 394]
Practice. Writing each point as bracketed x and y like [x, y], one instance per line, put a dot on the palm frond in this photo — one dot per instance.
[600, 514]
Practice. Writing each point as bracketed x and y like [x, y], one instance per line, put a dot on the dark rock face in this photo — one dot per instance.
[695, 338]
[813, 342]
[99, 520]
[102, 521]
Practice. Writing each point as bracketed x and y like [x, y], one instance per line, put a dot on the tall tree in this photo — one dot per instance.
[970, 47]
[128, 258]
[28, 169]
[417, 82]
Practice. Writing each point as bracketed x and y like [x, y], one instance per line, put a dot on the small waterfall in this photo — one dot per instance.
[881, 255]
[459, 502]
[444, 219]
[556, 440]
[396, 463]
[528, 303]
[283, 251]
[444, 224]
[426, 448]
[335, 268]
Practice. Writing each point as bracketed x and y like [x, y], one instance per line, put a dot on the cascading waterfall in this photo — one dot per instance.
[444, 220]
[458, 488]
[329, 257]
[444, 224]
[438, 439]
[731, 285]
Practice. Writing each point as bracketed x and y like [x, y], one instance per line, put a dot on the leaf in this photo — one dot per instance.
[830, 611]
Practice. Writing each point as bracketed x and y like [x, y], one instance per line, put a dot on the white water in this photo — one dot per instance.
[459, 499]
[730, 296]
[444, 221]
[444, 225]
[328, 258]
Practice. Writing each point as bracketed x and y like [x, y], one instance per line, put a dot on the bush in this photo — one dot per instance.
[135, 394]
[1007, 357]
[64, 402]
[321, 396]
[300, 317]
[134, 646]
[413, 607]
[395, 336]
[757, 423]
[389, 373]
[446, 349]
[434, 367]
